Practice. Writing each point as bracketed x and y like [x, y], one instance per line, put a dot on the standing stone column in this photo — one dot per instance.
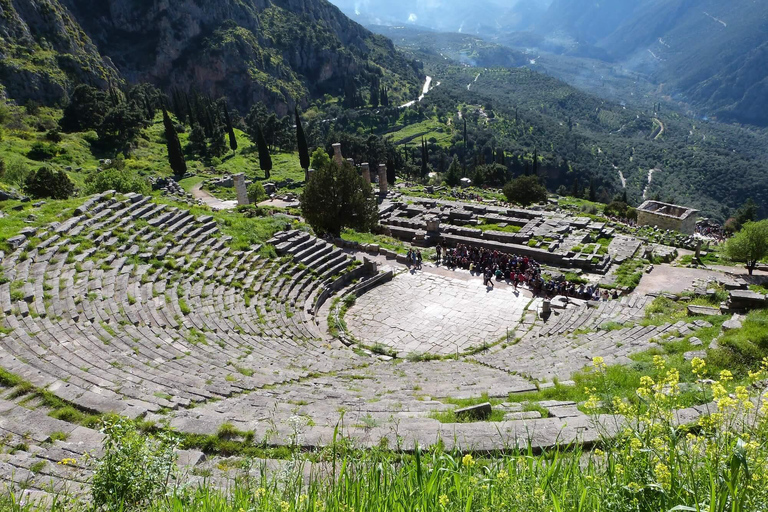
[366, 172]
[383, 179]
[337, 154]
[240, 188]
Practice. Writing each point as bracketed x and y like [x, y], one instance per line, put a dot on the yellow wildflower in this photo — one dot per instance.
[598, 452]
[468, 461]
[726, 376]
[663, 476]
[67, 462]
[285, 506]
[260, 492]
[635, 443]
[599, 363]
[443, 500]
[659, 363]
[699, 366]
[503, 475]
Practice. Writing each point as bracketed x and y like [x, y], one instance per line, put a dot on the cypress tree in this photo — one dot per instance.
[197, 141]
[230, 130]
[592, 192]
[301, 141]
[535, 162]
[466, 148]
[575, 188]
[391, 177]
[374, 94]
[175, 155]
[424, 158]
[265, 161]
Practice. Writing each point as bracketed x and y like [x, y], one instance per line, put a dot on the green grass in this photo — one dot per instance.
[509, 228]
[429, 129]
[52, 211]
[385, 242]
[629, 274]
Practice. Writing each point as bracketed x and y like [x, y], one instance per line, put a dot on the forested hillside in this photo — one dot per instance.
[280, 52]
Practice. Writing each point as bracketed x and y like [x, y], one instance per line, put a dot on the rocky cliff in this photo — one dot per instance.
[280, 51]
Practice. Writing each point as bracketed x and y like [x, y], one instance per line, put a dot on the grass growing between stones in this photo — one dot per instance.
[647, 463]
[385, 242]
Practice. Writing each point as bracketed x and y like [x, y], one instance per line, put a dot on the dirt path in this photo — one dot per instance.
[666, 278]
[213, 202]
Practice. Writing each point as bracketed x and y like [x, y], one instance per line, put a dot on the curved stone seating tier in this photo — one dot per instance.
[132, 306]
[545, 353]
[592, 315]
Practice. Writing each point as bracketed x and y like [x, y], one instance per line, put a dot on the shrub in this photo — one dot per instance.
[41, 151]
[53, 135]
[135, 470]
[115, 179]
[256, 193]
[48, 183]
[525, 191]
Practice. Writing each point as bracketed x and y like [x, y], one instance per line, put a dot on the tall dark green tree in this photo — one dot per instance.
[218, 143]
[466, 145]
[535, 162]
[453, 176]
[198, 142]
[592, 191]
[375, 94]
[230, 129]
[424, 158]
[301, 142]
[336, 197]
[265, 161]
[391, 176]
[175, 154]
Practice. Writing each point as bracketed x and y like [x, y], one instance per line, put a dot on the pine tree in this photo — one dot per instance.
[375, 94]
[218, 142]
[265, 161]
[175, 155]
[230, 129]
[198, 143]
[301, 141]
[453, 176]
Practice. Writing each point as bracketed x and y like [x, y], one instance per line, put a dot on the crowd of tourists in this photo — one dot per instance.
[519, 271]
[711, 230]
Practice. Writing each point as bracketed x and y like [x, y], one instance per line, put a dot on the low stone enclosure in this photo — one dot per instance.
[667, 216]
[144, 310]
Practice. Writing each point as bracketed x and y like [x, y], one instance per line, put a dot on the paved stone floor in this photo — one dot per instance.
[419, 312]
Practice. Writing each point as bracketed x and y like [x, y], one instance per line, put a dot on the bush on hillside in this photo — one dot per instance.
[525, 191]
[118, 180]
[620, 209]
[47, 183]
[256, 193]
[41, 151]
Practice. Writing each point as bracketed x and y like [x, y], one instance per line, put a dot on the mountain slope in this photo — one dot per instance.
[43, 51]
[711, 52]
[279, 52]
